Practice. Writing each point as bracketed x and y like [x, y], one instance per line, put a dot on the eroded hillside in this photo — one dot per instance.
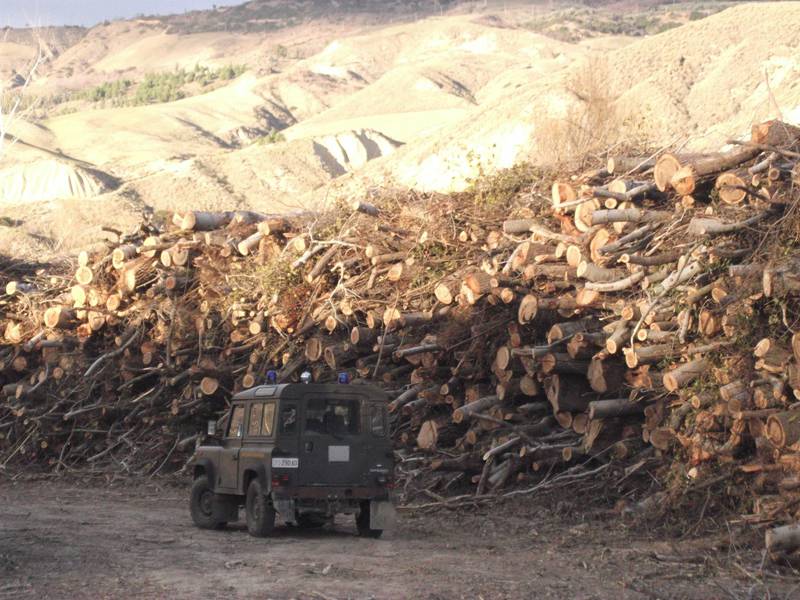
[159, 114]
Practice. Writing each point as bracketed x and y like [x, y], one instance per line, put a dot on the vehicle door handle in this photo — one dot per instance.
[309, 446]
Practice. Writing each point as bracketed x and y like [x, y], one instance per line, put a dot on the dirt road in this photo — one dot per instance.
[134, 540]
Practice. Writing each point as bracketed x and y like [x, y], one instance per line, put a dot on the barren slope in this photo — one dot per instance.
[706, 78]
[465, 94]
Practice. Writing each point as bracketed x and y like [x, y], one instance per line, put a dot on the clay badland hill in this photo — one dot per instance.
[275, 106]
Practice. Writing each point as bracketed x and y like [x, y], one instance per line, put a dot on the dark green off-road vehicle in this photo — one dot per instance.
[302, 452]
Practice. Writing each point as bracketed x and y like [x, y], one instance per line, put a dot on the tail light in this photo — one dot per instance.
[279, 480]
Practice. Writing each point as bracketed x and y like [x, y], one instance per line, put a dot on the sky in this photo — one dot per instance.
[21, 13]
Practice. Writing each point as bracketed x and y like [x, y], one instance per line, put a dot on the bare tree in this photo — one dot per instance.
[13, 95]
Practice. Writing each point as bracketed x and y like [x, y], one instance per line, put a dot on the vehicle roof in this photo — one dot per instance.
[298, 390]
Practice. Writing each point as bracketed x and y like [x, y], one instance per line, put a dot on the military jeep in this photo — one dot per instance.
[302, 452]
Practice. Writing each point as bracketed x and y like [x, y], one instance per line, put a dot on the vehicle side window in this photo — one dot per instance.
[269, 419]
[236, 426]
[377, 423]
[254, 425]
[289, 419]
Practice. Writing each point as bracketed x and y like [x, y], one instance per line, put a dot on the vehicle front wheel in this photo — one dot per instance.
[362, 523]
[202, 505]
[260, 513]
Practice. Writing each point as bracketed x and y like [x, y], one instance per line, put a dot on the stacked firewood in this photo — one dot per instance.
[650, 302]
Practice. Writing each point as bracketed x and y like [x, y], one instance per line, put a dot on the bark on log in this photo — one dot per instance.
[618, 407]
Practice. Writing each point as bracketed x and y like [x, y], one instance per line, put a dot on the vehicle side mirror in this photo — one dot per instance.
[212, 428]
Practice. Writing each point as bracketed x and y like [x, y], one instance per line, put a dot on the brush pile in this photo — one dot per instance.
[651, 303]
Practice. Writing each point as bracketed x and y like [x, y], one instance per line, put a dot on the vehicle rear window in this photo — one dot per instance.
[331, 417]
[236, 426]
[269, 418]
[376, 421]
[254, 425]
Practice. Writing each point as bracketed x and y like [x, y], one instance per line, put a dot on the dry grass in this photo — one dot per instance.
[46, 232]
[592, 121]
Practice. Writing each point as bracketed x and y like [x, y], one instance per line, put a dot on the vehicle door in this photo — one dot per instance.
[379, 457]
[232, 442]
[330, 441]
[286, 459]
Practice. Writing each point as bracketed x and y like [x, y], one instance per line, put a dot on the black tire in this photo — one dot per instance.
[201, 505]
[260, 513]
[362, 523]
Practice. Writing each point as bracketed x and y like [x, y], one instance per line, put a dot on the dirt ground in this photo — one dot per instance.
[136, 540]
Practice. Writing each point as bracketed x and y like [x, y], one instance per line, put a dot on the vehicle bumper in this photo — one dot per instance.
[333, 492]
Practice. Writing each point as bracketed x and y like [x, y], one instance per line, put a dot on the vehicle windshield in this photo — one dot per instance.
[331, 417]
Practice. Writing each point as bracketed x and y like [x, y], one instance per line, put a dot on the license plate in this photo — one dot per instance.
[285, 463]
[338, 453]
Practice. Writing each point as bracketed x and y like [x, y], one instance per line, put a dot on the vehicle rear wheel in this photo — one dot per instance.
[260, 513]
[201, 504]
[362, 523]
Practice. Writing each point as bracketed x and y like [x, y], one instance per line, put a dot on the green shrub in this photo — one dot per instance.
[157, 87]
[107, 91]
[273, 137]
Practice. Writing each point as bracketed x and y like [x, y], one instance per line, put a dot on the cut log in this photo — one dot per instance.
[782, 540]
[247, 245]
[783, 429]
[336, 356]
[478, 282]
[684, 374]
[58, 317]
[517, 226]
[529, 386]
[774, 133]
[685, 180]
[732, 187]
[315, 348]
[122, 254]
[563, 196]
[619, 407]
[605, 375]
[84, 275]
[629, 215]
[528, 309]
[597, 274]
[201, 220]
[436, 432]
[568, 393]
[563, 364]
[209, 386]
[473, 408]
[663, 171]
[618, 337]
[639, 355]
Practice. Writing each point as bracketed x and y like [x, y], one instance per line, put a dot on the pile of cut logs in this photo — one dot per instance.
[652, 301]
